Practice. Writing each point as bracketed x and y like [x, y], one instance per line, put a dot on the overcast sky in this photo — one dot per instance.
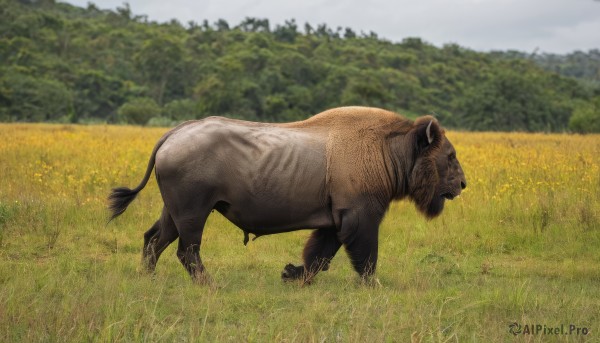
[557, 26]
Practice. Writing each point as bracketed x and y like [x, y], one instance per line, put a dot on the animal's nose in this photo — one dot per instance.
[463, 184]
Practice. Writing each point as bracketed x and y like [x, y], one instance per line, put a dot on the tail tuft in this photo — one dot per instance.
[119, 199]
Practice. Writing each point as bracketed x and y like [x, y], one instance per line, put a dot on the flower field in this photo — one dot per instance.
[522, 244]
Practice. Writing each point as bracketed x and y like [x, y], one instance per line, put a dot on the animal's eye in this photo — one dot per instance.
[451, 156]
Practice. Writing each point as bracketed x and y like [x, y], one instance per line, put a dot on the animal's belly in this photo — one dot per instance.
[276, 189]
[279, 216]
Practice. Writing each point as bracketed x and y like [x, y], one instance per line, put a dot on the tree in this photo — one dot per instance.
[349, 34]
[222, 25]
[138, 111]
[159, 59]
[24, 97]
[287, 32]
[510, 101]
[254, 25]
[180, 110]
[97, 94]
[586, 117]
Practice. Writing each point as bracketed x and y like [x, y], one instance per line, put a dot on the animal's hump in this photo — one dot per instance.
[351, 117]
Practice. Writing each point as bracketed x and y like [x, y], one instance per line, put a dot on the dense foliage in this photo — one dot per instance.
[64, 63]
[579, 64]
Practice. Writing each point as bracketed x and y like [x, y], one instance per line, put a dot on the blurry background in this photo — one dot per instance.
[475, 64]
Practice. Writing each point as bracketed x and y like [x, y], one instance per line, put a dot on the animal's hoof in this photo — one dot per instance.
[202, 279]
[291, 272]
[370, 281]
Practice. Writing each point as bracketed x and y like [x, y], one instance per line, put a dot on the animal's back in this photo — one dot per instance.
[225, 138]
[350, 118]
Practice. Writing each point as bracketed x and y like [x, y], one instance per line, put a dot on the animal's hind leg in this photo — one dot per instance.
[150, 237]
[320, 248]
[157, 239]
[190, 227]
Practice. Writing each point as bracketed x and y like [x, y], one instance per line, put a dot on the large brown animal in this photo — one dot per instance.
[336, 173]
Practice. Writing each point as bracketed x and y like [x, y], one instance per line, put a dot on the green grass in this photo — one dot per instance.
[66, 277]
[444, 280]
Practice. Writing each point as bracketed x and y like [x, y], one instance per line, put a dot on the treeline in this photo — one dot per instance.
[582, 65]
[64, 63]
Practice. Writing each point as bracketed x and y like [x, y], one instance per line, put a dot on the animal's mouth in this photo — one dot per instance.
[449, 196]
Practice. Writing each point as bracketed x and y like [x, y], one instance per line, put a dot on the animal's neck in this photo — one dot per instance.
[401, 155]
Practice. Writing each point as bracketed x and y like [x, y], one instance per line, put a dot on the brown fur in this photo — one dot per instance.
[362, 144]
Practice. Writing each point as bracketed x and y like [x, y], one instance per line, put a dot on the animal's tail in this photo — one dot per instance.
[121, 197]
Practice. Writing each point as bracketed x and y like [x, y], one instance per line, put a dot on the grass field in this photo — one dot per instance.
[521, 245]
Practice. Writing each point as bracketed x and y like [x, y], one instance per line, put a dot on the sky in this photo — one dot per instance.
[552, 26]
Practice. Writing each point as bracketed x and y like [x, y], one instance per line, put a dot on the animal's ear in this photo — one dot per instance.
[428, 132]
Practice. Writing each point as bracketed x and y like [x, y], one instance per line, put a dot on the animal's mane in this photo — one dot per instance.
[358, 158]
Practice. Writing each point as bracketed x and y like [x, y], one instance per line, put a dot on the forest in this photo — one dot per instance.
[62, 63]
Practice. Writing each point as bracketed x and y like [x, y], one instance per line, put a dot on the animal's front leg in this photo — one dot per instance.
[320, 248]
[291, 272]
[363, 254]
[360, 235]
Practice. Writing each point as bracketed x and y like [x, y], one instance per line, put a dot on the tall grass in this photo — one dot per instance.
[521, 245]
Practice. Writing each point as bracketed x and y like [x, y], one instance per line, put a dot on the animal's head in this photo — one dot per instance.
[436, 174]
